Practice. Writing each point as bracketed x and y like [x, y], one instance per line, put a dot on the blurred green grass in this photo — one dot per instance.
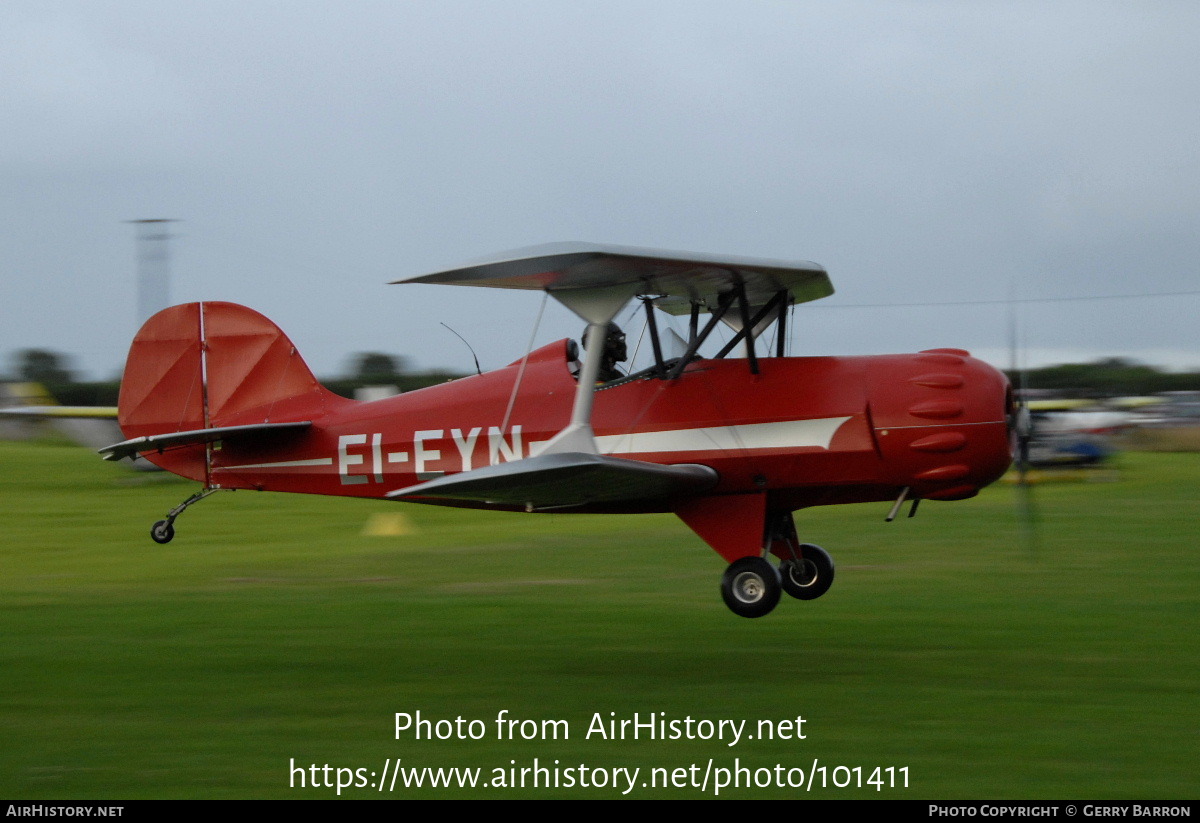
[272, 629]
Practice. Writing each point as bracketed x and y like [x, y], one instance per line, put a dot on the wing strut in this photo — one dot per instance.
[748, 323]
[747, 327]
[598, 306]
[781, 329]
[726, 300]
[648, 303]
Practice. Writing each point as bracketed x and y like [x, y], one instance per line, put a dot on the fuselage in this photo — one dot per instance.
[807, 431]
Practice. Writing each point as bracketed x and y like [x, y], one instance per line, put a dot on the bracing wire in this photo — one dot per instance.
[521, 371]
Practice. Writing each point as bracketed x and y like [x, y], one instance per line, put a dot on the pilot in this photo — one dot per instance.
[614, 353]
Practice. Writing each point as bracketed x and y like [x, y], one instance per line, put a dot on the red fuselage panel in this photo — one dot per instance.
[806, 430]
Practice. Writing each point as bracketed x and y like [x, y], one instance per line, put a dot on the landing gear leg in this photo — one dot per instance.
[805, 569]
[164, 530]
[745, 530]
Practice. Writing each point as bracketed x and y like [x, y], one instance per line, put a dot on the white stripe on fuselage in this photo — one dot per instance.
[286, 464]
[782, 435]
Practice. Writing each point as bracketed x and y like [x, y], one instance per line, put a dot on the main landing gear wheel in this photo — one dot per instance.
[809, 576]
[750, 587]
[162, 531]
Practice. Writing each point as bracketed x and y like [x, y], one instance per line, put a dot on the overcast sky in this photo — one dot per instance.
[920, 151]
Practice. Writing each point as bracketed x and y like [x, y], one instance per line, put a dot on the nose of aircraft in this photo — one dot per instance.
[941, 421]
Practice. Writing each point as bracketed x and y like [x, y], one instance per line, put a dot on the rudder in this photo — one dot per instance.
[204, 365]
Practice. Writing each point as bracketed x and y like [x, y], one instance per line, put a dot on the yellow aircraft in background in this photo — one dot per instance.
[25, 406]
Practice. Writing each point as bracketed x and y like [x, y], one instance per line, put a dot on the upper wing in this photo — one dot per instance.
[678, 279]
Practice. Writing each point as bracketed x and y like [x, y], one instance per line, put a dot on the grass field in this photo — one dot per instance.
[272, 629]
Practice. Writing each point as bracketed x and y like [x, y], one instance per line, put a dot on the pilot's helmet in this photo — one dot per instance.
[615, 350]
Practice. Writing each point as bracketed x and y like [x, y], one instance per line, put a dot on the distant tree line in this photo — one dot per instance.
[1112, 377]
[53, 370]
[377, 369]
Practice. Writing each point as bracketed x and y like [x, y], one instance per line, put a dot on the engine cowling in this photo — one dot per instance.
[941, 421]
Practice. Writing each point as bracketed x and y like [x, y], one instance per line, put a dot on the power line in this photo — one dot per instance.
[1084, 298]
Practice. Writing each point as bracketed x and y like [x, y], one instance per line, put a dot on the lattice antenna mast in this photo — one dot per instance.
[153, 267]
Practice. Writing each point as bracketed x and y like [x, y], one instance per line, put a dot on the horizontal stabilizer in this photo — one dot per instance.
[158, 442]
[567, 480]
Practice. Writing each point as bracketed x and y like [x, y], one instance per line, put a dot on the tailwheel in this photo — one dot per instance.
[162, 531]
[750, 587]
[809, 575]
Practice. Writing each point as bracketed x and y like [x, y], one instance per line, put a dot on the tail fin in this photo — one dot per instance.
[206, 365]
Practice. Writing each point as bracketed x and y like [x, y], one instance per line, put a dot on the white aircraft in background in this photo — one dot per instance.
[1073, 432]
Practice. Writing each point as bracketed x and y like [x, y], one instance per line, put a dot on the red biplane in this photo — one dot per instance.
[217, 393]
